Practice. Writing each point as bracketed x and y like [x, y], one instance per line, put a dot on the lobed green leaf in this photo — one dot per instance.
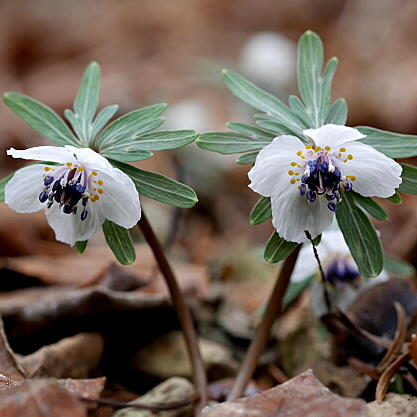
[252, 131]
[360, 236]
[247, 158]
[278, 248]
[161, 140]
[261, 100]
[127, 155]
[338, 112]
[120, 242]
[158, 187]
[3, 183]
[230, 142]
[40, 118]
[87, 99]
[102, 118]
[131, 124]
[395, 198]
[394, 145]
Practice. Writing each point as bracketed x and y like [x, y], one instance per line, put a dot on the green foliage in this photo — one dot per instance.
[261, 211]
[247, 158]
[393, 145]
[399, 267]
[370, 206]
[278, 248]
[338, 112]
[3, 183]
[395, 198]
[81, 246]
[158, 187]
[360, 236]
[294, 290]
[314, 87]
[40, 118]
[120, 242]
[409, 176]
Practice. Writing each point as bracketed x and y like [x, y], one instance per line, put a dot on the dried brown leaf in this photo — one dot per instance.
[87, 388]
[301, 396]
[40, 398]
[72, 357]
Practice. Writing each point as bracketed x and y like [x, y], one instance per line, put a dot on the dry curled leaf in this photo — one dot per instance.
[301, 396]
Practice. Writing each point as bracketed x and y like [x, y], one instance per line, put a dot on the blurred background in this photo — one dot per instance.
[154, 51]
[173, 52]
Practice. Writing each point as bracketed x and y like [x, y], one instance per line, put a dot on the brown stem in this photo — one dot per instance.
[183, 312]
[263, 332]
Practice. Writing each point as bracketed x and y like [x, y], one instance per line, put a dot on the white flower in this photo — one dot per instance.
[304, 181]
[77, 195]
[342, 278]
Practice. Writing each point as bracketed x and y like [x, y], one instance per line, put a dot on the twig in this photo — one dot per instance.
[184, 315]
[151, 407]
[262, 335]
[323, 279]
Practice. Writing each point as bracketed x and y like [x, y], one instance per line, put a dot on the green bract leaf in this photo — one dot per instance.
[81, 246]
[247, 158]
[102, 118]
[395, 198]
[294, 290]
[316, 241]
[394, 145]
[88, 96]
[261, 211]
[230, 142]
[132, 124]
[278, 128]
[40, 118]
[127, 155]
[338, 112]
[409, 176]
[158, 187]
[370, 206]
[3, 183]
[260, 99]
[75, 122]
[315, 89]
[278, 248]
[399, 267]
[360, 236]
[298, 108]
[120, 242]
[163, 140]
[252, 131]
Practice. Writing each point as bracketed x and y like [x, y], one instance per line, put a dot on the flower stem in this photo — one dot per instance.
[273, 310]
[323, 279]
[183, 312]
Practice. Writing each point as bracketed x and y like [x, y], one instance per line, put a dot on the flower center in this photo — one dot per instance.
[69, 185]
[341, 271]
[322, 175]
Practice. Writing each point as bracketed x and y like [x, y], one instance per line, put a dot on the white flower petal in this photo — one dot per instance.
[292, 214]
[90, 159]
[120, 200]
[333, 135]
[269, 174]
[376, 174]
[69, 228]
[43, 153]
[306, 264]
[22, 192]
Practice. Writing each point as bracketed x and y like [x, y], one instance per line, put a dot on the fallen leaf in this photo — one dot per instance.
[9, 363]
[40, 398]
[301, 396]
[72, 357]
[87, 388]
